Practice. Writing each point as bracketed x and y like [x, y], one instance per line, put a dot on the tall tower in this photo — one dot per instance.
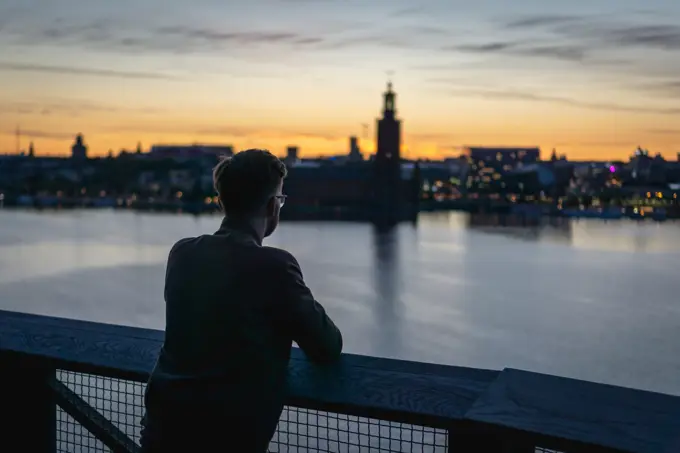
[389, 129]
[387, 177]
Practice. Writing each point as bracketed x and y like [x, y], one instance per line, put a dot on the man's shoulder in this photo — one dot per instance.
[278, 257]
[187, 248]
[183, 244]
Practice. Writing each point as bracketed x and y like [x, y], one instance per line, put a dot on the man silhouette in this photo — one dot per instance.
[233, 309]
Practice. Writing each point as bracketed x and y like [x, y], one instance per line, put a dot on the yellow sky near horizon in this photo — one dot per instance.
[577, 133]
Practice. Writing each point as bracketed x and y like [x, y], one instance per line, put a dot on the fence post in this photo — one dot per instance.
[463, 438]
[467, 437]
[29, 413]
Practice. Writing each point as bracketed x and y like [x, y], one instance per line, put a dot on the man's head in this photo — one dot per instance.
[249, 186]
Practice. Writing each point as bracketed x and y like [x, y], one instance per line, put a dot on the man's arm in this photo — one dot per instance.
[306, 320]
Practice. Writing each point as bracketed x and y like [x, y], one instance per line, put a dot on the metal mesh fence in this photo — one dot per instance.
[120, 401]
[299, 430]
[302, 430]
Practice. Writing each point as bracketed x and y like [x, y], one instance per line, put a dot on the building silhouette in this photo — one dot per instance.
[79, 150]
[292, 155]
[354, 150]
[190, 152]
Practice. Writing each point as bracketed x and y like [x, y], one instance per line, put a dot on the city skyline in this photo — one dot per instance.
[593, 81]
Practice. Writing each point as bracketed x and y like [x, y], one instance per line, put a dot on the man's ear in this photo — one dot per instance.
[271, 207]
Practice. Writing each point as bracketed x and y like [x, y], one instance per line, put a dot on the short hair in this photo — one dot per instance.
[245, 181]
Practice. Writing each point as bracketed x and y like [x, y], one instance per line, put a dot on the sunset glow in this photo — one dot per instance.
[594, 82]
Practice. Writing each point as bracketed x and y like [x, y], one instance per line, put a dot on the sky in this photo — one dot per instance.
[592, 78]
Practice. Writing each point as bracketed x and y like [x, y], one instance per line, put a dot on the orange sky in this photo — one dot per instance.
[228, 75]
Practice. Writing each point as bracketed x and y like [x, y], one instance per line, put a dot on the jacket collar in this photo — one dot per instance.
[242, 231]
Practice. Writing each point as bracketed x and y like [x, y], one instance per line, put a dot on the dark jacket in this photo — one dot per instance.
[233, 309]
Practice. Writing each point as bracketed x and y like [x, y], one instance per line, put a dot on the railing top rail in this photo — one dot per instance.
[576, 412]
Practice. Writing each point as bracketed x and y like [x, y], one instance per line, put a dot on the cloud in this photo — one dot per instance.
[605, 32]
[51, 107]
[430, 136]
[408, 12]
[415, 37]
[660, 37]
[36, 133]
[666, 37]
[239, 42]
[542, 21]
[317, 136]
[627, 36]
[596, 144]
[237, 132]
[69, 70]
[265, 133]
[65, 107]
[371, 39]
[665, 132]
[244, 38]
[533, 97]
[662, 89]
[182, 39]
[522, 49]
[231, 131]
[564, 52]
[491, 47]
[624, 45]
[426, 30]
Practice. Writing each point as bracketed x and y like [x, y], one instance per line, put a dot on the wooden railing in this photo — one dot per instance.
[71, 385]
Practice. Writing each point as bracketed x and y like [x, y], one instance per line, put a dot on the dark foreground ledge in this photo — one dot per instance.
[481, 410]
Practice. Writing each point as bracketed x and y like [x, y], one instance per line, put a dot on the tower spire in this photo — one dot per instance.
[389, 107]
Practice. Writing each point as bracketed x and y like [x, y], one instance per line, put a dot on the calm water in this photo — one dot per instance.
[586, 299]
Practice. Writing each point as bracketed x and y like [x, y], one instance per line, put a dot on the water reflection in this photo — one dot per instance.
[522, 227]
[386, 264]
[582, 298]
[643, 242]
[386, 271]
